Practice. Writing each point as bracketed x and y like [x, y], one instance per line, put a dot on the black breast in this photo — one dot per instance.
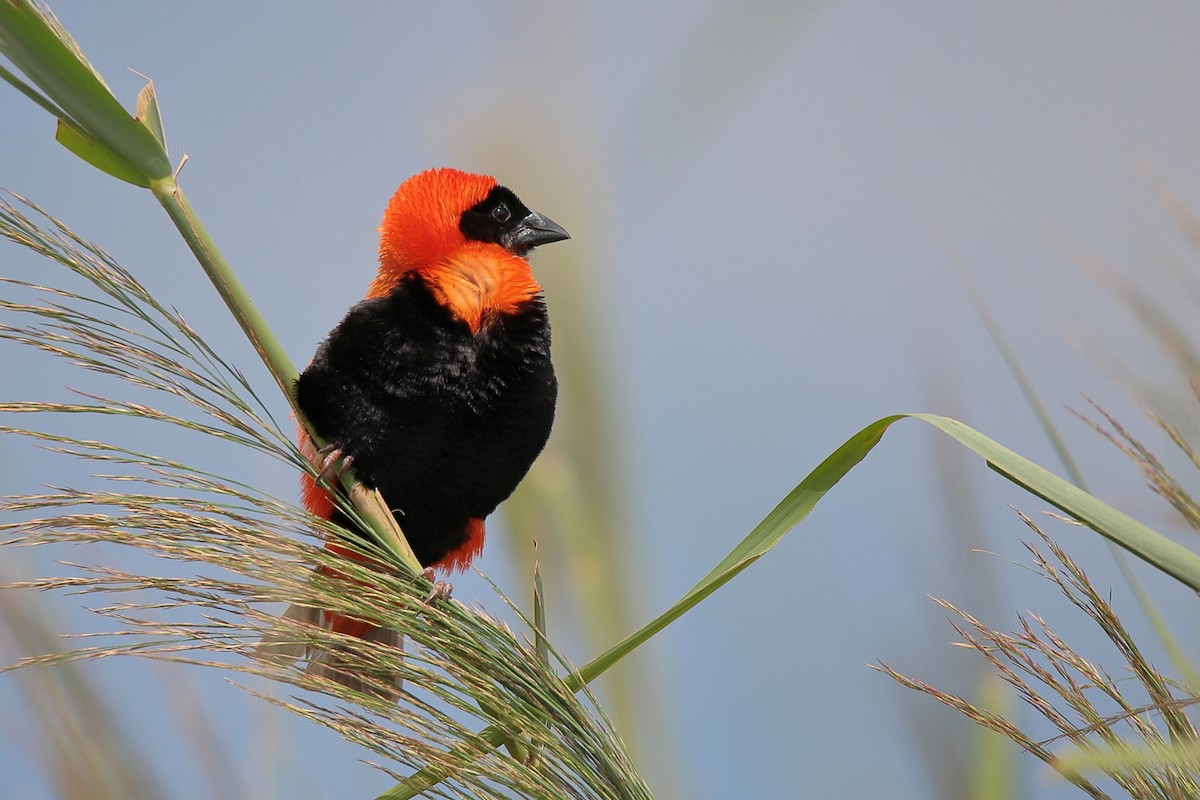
[445, 423]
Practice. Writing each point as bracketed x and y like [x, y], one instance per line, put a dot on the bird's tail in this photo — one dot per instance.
[284, 645]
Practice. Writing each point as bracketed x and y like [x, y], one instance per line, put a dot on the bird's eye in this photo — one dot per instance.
[501, 213]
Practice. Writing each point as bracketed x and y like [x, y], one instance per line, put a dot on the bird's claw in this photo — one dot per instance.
[330, 462]
[441, 589]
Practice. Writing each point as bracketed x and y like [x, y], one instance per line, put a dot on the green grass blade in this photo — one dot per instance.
[45, 55]
[1144, 542]
[98, 155]
[785, 516]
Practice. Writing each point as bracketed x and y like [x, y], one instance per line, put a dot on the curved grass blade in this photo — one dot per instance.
[785, 516]
[1144, 542]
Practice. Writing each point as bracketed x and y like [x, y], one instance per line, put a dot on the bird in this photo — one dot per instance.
[438, 388]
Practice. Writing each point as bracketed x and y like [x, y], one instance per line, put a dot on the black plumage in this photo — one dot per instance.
[444, 421]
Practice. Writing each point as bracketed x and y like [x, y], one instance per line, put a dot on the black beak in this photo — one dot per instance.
[532, 231]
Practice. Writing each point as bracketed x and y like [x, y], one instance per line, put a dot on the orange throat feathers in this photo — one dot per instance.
[477, 282]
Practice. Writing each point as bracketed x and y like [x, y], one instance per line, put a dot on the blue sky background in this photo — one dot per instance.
[764, 200]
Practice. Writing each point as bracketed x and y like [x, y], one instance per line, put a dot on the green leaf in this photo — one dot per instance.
[40, 50]
[98, 155]
[1144, 542]
[785, 516]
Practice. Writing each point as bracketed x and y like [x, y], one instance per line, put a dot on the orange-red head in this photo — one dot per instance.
[467, 236]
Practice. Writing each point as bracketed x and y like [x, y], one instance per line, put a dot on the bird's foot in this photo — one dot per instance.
[441, 589]
[330, 462]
